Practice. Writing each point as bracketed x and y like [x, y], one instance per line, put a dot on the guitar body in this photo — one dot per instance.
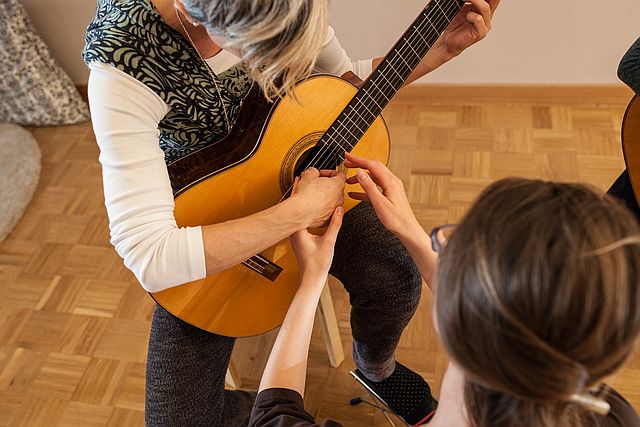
[243, 175]
[631, 143]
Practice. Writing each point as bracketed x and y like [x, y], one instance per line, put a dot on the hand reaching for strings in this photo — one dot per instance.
[391, 204]
[315, 253]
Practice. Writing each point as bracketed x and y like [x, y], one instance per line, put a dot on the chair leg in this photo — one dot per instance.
[330, 330]
[377, 402]
[232, 379]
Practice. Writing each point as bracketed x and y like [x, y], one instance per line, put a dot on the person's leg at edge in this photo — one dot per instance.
[384, 287]
[186, 368]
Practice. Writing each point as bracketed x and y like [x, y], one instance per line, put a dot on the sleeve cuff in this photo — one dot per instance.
[362, 68]
[197, 256]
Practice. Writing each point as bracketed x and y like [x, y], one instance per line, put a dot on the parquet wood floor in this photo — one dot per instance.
[74, 323]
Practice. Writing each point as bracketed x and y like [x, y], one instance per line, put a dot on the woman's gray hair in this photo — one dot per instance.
[279, 39]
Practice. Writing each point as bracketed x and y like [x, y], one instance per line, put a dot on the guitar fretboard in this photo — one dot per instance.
[386, 80]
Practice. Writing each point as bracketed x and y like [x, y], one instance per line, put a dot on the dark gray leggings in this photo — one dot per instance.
[186, 366]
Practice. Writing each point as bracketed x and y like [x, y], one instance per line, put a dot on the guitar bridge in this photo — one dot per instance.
[264, 267]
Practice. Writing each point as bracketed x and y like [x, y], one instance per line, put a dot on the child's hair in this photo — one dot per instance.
[279, 39]
[538, 300]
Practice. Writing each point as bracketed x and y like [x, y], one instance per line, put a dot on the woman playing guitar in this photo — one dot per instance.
[166, 80]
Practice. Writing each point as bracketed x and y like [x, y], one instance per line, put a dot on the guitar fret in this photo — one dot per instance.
[359, 124]
[420, 35]
[402, 77]
[373, 116]
[365, 120]
[346, 129]
[387, 80]
[357, 112]
[338, 144]
[381, 92]
[403, 60]
[364, 92]
[414, 51]
[431, 23]
[354, 122]
[436, 3]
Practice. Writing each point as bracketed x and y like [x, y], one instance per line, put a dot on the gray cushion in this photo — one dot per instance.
[19, 174]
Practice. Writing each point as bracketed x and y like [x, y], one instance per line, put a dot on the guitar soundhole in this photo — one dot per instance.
[304, 154]
[319, 157]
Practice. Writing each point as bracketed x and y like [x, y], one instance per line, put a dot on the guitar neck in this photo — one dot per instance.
[385, 81]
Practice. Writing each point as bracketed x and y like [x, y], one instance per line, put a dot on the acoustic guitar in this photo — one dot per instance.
[254, 167]
[631, 143]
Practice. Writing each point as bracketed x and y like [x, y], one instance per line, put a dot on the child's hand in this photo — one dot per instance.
[391, 204]
[315, 253]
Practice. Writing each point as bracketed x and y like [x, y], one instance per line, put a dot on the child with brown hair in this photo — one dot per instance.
[537, 303]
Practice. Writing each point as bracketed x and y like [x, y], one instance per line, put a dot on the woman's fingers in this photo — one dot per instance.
[295, 185]
[351, 161]
[310, 174]
[493, 4]
[370, 187]
[378, 171]
[354, 179]
[331, 234]
[328, 173]
[479, 25]
[482, 8]
[359, 196]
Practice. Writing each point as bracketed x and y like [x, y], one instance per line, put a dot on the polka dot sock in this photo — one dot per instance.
[406, 393]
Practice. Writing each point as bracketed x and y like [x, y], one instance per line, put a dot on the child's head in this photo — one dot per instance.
[538, 298]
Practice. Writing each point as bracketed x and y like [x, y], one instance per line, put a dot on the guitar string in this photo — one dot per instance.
[330, 151]
[356, 107]
[360, 102]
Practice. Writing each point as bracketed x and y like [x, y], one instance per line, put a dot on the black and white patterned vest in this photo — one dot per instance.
[131, 36]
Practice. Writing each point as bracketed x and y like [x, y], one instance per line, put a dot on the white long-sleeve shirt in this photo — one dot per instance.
[125, 114]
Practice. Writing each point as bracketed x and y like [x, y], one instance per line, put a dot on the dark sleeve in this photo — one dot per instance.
[623, 190]
[629, 68]
[622, 413]
[279, 407]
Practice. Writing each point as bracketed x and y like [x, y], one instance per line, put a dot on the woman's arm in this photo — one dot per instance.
[139, 200]
[471, 25]
[232, 242]
[287, 364]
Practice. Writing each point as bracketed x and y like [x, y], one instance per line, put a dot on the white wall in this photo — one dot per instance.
[533, 41]
[62, 25]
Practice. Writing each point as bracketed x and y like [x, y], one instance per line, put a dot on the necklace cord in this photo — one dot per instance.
[209, 70]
